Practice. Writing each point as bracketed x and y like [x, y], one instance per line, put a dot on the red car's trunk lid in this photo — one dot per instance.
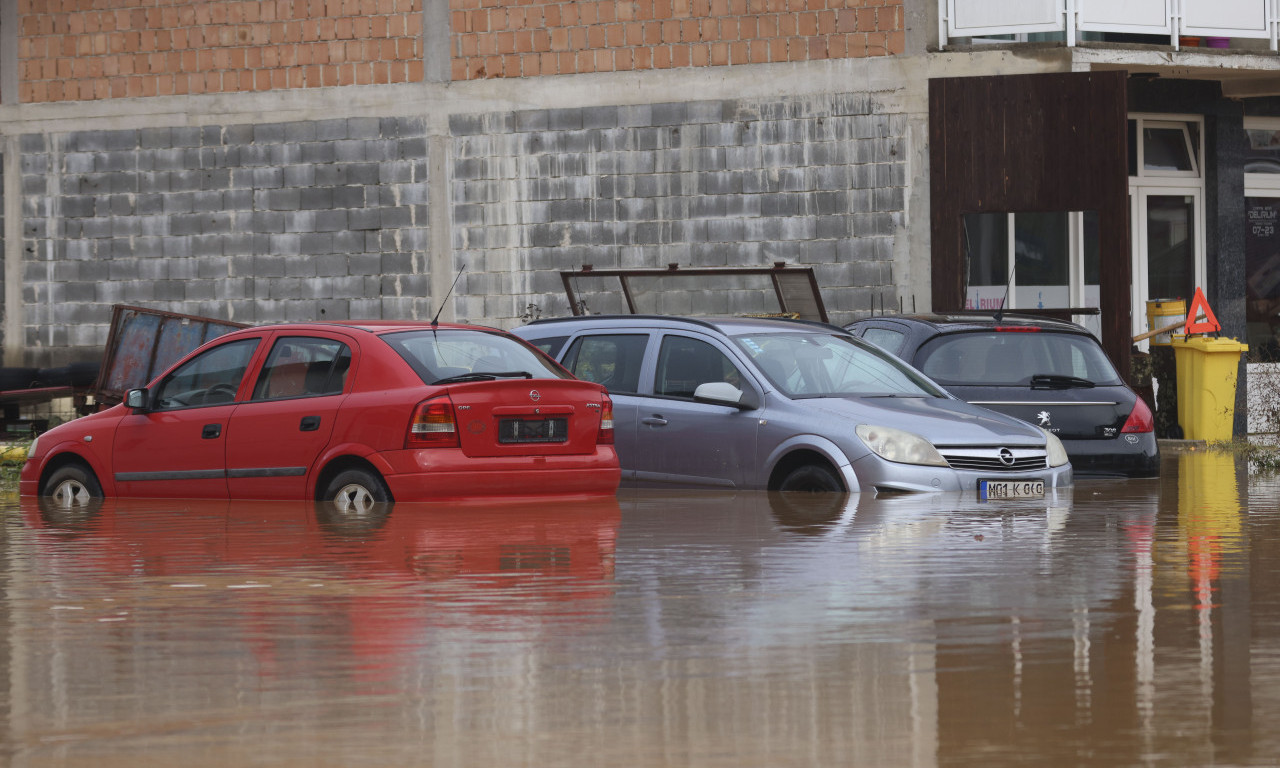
[527, 417]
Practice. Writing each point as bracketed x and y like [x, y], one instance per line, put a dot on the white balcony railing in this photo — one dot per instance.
[1254, 19]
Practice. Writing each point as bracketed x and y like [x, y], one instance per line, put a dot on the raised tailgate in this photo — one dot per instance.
[527, 417]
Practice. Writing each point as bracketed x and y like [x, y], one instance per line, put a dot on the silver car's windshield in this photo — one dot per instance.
[813, 364]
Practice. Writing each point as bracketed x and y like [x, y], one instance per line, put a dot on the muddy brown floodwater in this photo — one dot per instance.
[1118, 624]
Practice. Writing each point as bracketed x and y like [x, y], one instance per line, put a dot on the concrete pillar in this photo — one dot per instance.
[8, 52]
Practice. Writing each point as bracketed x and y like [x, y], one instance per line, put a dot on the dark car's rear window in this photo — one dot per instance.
[1012, 358]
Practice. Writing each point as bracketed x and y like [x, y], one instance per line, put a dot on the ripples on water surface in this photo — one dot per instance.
[1117, 624]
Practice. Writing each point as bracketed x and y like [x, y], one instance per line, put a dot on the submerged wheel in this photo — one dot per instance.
[812, 478]
[72, 486]
[356, 491]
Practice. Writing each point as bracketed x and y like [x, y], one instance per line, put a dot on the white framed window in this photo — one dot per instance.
[1033, 260]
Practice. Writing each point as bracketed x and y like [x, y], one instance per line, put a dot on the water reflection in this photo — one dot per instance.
[1121, 623]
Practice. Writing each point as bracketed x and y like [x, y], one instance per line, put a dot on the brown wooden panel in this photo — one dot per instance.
[1051, 142]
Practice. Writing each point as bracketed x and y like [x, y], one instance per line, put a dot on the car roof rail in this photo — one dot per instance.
[657, 318]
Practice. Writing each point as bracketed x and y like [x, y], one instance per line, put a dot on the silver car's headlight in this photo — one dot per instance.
[1055, 454]
[897, 445]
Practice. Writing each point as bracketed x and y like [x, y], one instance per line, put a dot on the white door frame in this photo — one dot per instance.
[1160, 183]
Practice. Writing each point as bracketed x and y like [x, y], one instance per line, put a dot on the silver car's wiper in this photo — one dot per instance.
[483, 376]
[902, 394]
[1056, 381]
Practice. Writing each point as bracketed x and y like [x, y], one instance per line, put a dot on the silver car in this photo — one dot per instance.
[790, 405]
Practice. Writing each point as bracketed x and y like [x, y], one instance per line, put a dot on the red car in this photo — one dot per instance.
[354, 413]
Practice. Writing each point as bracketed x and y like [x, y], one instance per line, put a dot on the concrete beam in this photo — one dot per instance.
[1252, 88]
[436, 34]
[8, 51]
[13, 316]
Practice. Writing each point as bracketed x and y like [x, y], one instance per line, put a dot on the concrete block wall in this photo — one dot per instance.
[2, 275]
[307, 220]
[816, 181]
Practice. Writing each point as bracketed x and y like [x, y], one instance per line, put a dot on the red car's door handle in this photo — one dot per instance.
[211, 431]
[309, 424]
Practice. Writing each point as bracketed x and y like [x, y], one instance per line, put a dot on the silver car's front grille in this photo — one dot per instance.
[995, 459]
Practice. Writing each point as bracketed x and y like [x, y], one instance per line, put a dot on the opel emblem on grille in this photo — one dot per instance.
[534, 395]
[1006, 457]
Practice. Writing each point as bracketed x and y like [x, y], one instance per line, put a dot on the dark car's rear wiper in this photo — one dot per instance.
[483, 376]
[1056, 381]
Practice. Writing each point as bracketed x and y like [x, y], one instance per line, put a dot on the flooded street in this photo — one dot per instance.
[1119, 624]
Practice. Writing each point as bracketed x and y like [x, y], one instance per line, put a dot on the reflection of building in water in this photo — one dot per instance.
[1116, 623]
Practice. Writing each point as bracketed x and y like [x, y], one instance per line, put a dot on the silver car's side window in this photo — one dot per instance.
[613, 360]
[685, 363]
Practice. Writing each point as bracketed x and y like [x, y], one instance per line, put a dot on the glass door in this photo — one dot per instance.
[1262, 239]
[1168, 246]
[1166, 211]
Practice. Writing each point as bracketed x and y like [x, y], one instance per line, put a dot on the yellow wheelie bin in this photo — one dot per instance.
[1206, 370]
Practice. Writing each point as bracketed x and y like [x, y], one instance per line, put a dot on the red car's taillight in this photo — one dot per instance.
[433, 425]
[605, 435]
[1140, 419]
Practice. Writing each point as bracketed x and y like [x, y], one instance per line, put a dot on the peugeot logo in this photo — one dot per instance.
[1006, 457]
[534, 395]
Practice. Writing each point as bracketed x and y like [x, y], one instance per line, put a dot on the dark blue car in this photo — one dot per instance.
[1050, 373]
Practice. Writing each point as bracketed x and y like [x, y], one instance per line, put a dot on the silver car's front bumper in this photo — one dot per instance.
[877, 474]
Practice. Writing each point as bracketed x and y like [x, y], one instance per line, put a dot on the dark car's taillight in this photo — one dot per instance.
[605, 435]
[433, 425]
[1139, 419]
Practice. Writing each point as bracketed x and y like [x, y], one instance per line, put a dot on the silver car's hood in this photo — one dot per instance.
[941, 421]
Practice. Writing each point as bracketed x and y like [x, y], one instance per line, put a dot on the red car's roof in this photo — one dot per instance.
[372, 326]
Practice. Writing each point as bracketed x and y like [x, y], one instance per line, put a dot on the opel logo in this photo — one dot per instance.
[534, 395]
[1006, 457]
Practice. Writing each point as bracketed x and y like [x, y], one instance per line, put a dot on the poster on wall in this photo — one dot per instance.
[1262, 274]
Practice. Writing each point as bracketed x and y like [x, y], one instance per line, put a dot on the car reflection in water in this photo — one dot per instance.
[771, 629]
[383, 576]
[848, 562]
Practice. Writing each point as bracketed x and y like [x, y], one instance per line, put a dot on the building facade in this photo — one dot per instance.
[336, 159]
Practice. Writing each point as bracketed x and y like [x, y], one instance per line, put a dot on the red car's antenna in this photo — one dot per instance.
[434, 320]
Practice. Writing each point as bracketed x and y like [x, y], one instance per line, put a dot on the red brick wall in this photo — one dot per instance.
[76, 50]
[505, 38]
[98, 49]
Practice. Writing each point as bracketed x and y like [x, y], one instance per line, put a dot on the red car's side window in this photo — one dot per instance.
[211, 378]
[300, 366]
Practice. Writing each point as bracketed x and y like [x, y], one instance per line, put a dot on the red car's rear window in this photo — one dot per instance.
[442, 354]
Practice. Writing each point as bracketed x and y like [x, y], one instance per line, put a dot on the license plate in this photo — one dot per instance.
[553, 430]
[1010, 489]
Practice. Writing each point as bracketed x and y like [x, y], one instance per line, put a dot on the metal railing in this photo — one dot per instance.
[1251, 19]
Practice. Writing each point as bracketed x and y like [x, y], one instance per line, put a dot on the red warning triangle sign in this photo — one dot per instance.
[1210, 324]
